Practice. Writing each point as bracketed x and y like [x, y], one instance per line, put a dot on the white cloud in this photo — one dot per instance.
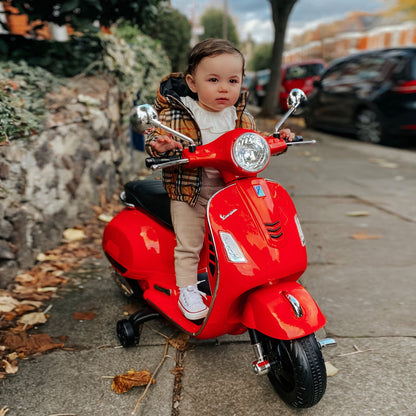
[259, 30]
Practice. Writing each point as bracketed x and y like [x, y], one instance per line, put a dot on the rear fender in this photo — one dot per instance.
[283, 311]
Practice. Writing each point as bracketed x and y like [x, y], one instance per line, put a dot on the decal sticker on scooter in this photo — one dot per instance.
[259, 190]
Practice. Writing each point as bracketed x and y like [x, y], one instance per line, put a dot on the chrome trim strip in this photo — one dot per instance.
[297, 308]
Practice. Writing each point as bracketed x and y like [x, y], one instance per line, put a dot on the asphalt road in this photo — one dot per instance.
[357, 206]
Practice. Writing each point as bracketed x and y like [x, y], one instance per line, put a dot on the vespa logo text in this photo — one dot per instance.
[224, 217]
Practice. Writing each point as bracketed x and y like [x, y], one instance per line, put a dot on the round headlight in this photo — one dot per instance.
[251, 152]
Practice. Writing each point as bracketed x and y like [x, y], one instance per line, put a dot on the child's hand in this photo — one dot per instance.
[287, 135]
[165, 143]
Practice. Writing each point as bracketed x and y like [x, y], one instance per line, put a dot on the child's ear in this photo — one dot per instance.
[190, 81]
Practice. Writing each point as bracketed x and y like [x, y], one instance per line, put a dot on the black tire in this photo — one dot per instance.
[369, 127]
[298, 372]
[126, 334]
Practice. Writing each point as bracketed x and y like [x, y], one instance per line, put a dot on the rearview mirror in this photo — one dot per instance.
[295, 98]
[142, 117]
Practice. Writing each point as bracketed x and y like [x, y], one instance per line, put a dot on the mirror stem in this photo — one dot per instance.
[157, 123]
[283, 119]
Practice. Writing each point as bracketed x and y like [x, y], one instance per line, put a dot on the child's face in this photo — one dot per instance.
[217, 81]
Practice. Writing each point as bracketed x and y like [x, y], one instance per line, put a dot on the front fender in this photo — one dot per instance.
[269, 311]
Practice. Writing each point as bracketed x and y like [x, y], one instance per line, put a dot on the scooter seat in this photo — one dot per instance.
[151, 196]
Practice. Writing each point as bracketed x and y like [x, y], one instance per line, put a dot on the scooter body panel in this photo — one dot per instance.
[283, 311]
[260, 216]
[139, 246]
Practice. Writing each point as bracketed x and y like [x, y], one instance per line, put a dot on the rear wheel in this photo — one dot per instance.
[298, 372]
[369, 128]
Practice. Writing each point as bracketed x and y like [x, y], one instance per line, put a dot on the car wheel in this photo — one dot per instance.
[369, 128]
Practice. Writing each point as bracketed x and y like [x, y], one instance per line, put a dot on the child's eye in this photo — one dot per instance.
[234, 81]
[213, 80]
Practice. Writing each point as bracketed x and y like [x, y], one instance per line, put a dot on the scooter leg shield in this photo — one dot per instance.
[283, 311]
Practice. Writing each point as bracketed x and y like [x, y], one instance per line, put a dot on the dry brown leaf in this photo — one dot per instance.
[331, 370]
[180, 342]
[84, 316]
[25, 279]
[33, 318]
[105, 217]
[73, 234]
[47, 257]
[24, 345]
[364, 236]
[7, 303]
[9, 368]
[124, 382]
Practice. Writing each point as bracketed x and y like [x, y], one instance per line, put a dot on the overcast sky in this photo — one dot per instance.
[254, 17]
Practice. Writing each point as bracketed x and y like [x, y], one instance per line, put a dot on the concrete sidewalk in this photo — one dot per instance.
[357, 206]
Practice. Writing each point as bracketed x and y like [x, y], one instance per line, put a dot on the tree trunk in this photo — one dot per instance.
[281, 10]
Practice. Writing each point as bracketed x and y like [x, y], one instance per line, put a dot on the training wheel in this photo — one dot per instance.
[125, 333]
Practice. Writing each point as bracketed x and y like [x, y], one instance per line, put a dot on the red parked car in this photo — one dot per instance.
[299, 75]
[296, 75]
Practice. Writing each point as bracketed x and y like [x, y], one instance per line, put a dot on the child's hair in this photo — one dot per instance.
[211, 47]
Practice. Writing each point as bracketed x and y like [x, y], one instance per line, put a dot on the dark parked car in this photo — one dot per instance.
[371, 95]
[295, 75]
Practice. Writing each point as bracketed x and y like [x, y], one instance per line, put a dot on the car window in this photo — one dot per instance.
[303, 71]
[371, 67]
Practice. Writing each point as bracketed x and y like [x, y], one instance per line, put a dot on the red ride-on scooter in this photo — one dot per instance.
[253, 256]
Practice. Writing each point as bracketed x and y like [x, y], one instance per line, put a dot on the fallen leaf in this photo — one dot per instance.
[25, 344]
[84, 316]
[33, 318]
[364, 236]
[7, 303]
[46, 257]
[105, 217]
[124, 382]
[47, 289]
[9, 368]
[331, 370]
[180, 342]
[358, 213]
[73, 234]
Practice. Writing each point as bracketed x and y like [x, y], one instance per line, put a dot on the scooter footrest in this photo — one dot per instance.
[168, 307]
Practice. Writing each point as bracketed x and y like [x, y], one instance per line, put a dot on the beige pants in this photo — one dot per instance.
[189, 225]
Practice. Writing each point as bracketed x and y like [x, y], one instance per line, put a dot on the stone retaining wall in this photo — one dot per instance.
[51, 182]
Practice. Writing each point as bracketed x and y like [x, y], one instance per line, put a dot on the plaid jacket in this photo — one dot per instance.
[181, 183]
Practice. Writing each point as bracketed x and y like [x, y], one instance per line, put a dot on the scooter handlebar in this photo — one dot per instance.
[156, 163]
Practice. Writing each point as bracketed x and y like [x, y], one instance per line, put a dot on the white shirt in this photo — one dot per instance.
[212, 124]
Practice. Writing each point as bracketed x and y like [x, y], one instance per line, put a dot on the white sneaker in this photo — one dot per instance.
[191, 303]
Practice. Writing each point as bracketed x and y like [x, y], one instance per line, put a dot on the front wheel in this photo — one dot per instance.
[298, 372]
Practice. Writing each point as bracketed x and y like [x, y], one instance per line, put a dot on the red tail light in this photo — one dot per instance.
[406, 87]
[259, 87]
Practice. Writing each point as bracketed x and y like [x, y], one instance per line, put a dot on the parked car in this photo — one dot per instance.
[248, 81]
[371, 95]
[296, 75]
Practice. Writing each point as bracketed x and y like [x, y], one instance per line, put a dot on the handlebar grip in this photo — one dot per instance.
[297, 139]
[150, 161]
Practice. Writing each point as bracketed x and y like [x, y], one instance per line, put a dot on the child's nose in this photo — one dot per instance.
[223, 86]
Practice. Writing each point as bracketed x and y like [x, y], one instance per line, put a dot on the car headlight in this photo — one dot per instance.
[251, 152]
